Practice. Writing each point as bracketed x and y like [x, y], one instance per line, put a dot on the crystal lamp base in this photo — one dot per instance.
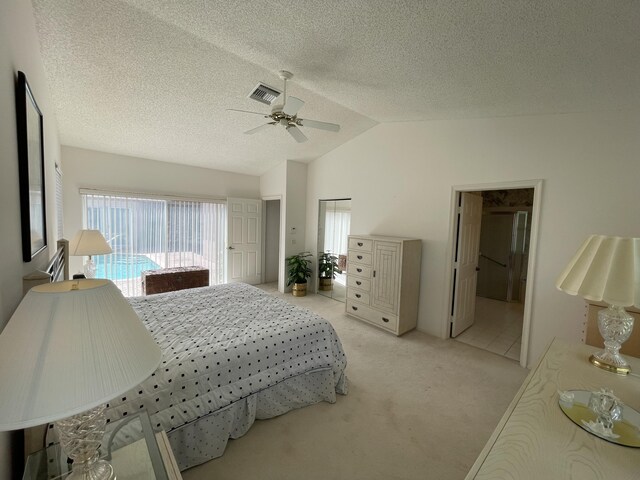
[80, 437]
[615, 326]
[99, 470]
[90, 268]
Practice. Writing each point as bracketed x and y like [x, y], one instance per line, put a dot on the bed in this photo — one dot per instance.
[231, 354]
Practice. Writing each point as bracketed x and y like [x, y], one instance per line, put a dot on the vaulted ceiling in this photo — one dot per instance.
[153, 78]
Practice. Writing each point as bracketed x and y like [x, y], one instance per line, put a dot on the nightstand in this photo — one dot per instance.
[137, 452]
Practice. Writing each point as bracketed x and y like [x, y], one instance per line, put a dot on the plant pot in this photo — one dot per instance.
[325, 284]
[299, 289]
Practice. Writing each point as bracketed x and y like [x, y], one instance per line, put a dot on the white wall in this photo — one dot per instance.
[296, 207]
[288, 180]
[400, 176]
[20, 50]
[91, 169]
[273, 184]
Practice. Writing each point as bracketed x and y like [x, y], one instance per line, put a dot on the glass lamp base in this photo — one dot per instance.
[615, 326]
[80, 437]
[99, 470]
[90, 268]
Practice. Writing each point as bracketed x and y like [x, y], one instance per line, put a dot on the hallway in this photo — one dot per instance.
[497, 327]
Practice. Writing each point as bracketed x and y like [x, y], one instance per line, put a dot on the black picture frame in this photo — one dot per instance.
[31, 170]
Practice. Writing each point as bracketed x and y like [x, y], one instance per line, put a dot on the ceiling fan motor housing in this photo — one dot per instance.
[286, 113]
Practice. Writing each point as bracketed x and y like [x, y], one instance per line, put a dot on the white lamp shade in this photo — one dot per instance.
[89, 242]
[65, 351]
[605, 269]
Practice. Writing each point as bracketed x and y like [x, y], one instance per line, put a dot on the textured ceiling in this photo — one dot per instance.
[152, 78]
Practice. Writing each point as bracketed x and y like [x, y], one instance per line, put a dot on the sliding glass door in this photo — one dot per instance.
[153, 233]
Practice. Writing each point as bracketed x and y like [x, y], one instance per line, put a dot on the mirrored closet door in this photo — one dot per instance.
[334, 221]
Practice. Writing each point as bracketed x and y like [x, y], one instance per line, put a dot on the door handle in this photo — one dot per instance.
[477, 269]
[231, 248]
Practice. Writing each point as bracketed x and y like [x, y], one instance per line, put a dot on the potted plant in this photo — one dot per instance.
[327, 269]
[299, 268]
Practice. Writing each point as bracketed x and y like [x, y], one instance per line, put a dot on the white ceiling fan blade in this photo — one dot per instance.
[261, 127]
[246, 111]
[296, 134]
[292, 106]
[331, 127]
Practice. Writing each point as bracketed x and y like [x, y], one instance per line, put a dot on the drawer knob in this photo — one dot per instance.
[385, 319]
[359, 257]
[358, 282]
[360, 244]
[358, 295]
[355, 308]
[359, 270]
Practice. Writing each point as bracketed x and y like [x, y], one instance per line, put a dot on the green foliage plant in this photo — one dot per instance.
[298, 267]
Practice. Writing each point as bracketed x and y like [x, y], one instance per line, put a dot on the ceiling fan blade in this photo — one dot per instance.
[292, 106]
[246, 111]
[296, 134]
[257, 129]
[331, 127]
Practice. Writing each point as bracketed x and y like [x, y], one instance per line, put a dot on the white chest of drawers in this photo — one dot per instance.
[383, 281]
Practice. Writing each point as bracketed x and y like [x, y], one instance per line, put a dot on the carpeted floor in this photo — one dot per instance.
[418, 408]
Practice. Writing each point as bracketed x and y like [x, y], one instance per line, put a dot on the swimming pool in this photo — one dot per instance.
[118, 266]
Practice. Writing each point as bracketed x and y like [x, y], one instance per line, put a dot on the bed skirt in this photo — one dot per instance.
[206, 438]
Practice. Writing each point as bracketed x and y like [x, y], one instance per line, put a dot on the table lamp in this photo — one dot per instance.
[607, 269]
[89, 243]
[69, 348]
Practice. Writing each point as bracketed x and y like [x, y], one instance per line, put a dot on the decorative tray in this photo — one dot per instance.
[625, 422]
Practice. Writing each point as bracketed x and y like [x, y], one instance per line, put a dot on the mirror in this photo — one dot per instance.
[334, 222]
[602, 415]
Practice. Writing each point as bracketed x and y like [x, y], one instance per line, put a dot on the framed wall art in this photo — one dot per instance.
[31, 170]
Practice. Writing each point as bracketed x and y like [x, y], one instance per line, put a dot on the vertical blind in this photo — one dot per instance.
[59, 206]
[153, 233]
[336, 233]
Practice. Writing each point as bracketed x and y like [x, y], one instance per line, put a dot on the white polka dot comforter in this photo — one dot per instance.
[222, 344]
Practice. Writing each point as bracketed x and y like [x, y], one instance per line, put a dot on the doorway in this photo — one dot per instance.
[492, 256]
[271, 237]
[334, 223]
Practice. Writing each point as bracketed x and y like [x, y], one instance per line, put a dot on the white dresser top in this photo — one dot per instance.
[535, 440]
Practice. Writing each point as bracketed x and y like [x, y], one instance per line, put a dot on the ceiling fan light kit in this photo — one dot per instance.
[285, 113]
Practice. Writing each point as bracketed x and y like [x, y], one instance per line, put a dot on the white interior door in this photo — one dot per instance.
[244, 240]
[466, 263]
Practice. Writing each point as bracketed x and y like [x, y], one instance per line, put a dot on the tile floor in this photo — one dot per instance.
[497, 327]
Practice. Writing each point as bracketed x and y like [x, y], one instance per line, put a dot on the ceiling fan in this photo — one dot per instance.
[285, 113]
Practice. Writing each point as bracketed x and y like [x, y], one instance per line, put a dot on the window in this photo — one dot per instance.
[59, 209]
[151, 233]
